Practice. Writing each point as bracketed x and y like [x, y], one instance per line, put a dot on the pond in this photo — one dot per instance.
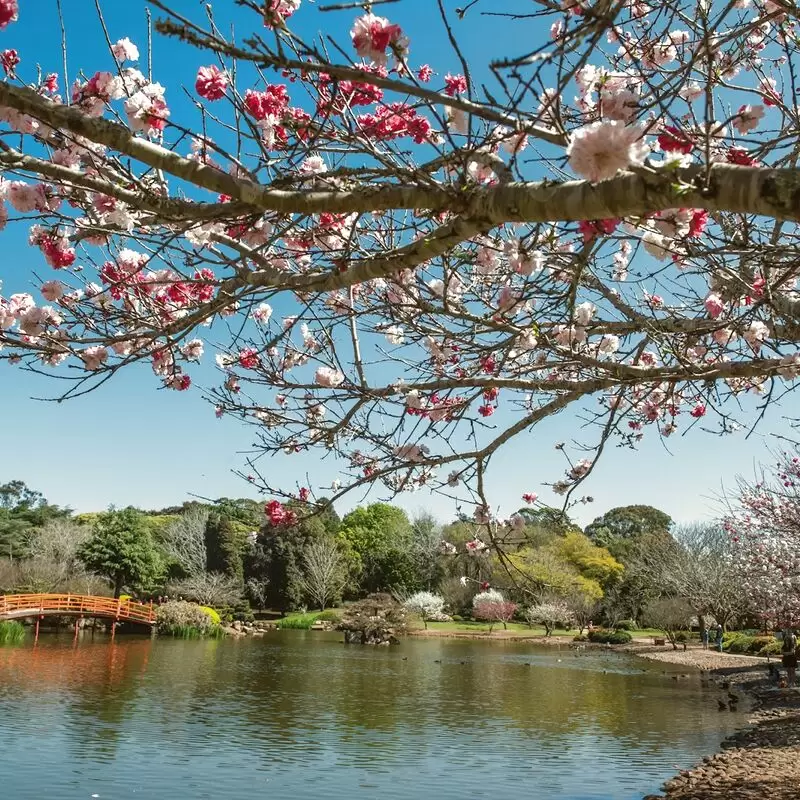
[299, 715]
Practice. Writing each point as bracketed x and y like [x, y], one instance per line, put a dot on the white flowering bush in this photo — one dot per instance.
[550, 615]
[428, 605]
[489, 596]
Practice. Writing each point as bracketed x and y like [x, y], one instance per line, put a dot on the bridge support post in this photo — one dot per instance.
[36, 635]
[77, 627]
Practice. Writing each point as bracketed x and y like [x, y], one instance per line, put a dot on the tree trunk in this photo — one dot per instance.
[118, 582]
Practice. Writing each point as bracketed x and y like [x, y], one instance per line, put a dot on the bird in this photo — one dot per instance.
[405, 658]
[734, 698]
[721, 705]
[437, 661]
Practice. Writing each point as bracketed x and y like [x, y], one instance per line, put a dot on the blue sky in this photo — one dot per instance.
[129, 443]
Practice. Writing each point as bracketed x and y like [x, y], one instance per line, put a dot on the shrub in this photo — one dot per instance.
[493, 611]
[683, 636]
[457, 618]
[738, 643]
[374, 620]
[553, 614]
[299, 622]
[11, 632]
[428, 605]
[773, 648]
[627, 625]
[184, 620]
[601, 636]
[489, 596]
[239, 612]
[330, 615]
[213, 614]
[580, 638]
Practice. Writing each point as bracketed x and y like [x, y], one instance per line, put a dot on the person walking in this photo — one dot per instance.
[719, 638]
[704, 637]
[789, 656]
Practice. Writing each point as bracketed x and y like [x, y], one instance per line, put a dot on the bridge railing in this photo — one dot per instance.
[77, 604]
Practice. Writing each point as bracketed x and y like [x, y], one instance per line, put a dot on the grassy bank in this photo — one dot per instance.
[305, 621]
[515, 630]
[11, 632]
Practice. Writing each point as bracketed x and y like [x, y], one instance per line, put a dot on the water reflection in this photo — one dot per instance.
[298, 714]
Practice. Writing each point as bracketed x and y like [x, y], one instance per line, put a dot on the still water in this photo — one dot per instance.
[298, 715]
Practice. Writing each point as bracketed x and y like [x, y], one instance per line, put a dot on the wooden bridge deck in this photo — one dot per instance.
[16, 606]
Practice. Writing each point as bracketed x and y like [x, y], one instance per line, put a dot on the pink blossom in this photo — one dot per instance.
[9, 10]
[125, 50]
[674, 140]
[747, 119]
[277, 11]
[193, 350]
[699, 410]
[147, 110]
[756, 334]
[714, 305]
[211, 83]
[328, 377]
[371, 36]
[580, 468]
[530, 497]
[52, 290]
[517, 522]
[599, 150]
[424, 73]
[454, 85]
[249, 358]
[94, 357]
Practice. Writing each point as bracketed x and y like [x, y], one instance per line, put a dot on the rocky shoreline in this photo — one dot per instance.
[761, 762]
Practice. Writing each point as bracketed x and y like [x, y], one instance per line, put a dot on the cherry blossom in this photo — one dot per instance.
[328, 377]
[125, 50]
[211, 83]
[599, 150]
[372, 36]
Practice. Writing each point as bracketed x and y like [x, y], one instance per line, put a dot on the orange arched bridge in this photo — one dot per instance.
[17, 606]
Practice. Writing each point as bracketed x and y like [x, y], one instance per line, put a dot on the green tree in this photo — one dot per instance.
[627, 522]
[277, 559]
[22, 510]
[225, 547]
[122, 550]
[382, 536]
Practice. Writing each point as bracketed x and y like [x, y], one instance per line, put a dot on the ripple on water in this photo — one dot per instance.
[301, 716]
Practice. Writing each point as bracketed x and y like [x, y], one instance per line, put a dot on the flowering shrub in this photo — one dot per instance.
[429, 606]
[551, 615]
[179, 618]
[494, 611]
[487, 596]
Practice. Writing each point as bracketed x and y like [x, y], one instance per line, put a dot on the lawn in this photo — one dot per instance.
[304, 621]
[517, 629]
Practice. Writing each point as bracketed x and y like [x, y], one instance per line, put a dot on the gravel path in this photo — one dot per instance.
[759, 763]
[693, 656]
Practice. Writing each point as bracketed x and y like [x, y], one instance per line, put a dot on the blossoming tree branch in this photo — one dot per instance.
[404, 265]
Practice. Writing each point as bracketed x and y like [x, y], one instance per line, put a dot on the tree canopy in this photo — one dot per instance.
[121, 549]
[411, 264]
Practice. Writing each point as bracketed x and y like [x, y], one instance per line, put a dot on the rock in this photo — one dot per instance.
[237, 625]
[230, 631]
